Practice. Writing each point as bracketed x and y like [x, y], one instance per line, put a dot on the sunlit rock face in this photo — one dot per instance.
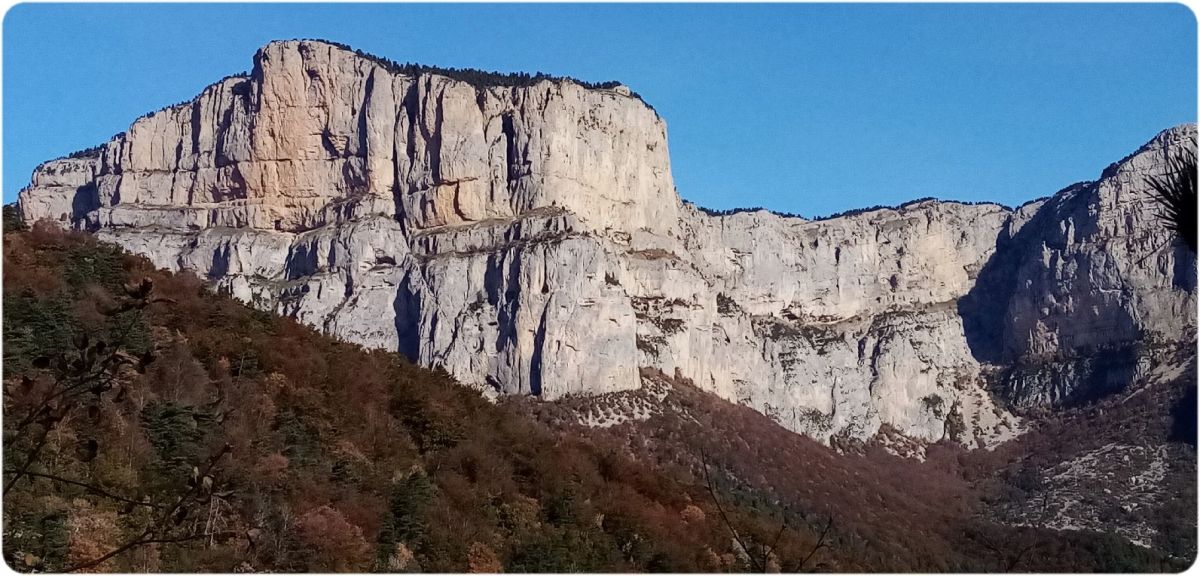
[1087, 286]
[529, 240]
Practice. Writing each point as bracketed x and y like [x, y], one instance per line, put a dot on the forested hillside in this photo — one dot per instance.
[1059, 498]
[152, 425]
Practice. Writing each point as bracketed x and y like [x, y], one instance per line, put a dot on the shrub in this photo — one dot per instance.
[36, 541]
[12, 219]
[102, 264]
[404, 523]
[339, 545]
[35, 328]
[176, 433]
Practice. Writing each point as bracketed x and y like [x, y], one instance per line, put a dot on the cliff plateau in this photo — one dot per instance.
[528, 238]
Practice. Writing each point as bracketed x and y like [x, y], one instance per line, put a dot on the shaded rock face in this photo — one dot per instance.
[1086, 288]
[529, 240]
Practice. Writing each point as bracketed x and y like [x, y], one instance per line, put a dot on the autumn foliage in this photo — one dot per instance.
[226, 439]
[294, 452]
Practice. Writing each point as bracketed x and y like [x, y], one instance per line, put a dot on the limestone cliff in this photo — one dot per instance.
[527, 237]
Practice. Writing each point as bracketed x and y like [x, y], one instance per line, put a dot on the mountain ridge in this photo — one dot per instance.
[530, 240]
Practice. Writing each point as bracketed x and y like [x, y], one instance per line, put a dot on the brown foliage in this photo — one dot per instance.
[482, 560]
[321, 441]
[341, 458]
[339, 544]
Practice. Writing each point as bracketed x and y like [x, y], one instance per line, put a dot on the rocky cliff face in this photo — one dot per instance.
[1087, 289]
[529, 239]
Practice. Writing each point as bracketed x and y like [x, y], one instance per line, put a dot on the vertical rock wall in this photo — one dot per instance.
[528, 238]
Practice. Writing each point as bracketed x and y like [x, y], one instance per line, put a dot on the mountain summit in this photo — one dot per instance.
[527, 237]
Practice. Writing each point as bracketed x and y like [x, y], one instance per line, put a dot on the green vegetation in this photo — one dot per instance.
[852, 212]
[93, 152]
[472, 76]
[732, 211]
[12, 218]
[34, 328]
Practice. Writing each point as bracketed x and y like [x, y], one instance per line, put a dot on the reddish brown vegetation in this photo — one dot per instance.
[899, 514]
[327, 456]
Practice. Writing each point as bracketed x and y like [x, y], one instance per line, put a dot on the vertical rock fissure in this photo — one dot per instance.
[539, 345]
[510, 147]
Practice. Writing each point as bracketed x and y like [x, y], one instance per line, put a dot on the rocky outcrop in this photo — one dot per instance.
[1087, 287]
[527, 237]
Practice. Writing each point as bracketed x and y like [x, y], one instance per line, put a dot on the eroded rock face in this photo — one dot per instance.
[529, 240]
[1087, 287]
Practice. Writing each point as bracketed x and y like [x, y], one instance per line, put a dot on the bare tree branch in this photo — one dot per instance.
[90, 488]
[29, 460]
[819, 545]
[725, 517]
[145, 541]
[151, 534]
[775, 542]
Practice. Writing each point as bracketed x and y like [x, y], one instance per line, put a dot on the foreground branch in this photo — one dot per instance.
[724, 517]
[89, 487]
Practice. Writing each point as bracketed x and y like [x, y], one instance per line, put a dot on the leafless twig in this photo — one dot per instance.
[721, 509]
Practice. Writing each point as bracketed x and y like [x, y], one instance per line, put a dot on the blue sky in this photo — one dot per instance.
[801, 108]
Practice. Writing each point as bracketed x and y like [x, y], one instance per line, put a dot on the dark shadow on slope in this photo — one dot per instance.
[1079, 373]
[85, 200]
[1112, 371]
[220, 262]
[1085, 377]
[407, 307]
[535, 360]
[1183, 417]
[984, 310]
[301, 262]
[1183, 274]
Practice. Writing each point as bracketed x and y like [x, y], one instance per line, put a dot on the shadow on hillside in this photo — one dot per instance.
[1183, 273]
[984, 309]
[407, 307]
[1079, 373]
[85, 200]
[1183, 417]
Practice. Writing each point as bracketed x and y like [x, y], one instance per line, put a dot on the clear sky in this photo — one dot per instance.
[800, 108]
